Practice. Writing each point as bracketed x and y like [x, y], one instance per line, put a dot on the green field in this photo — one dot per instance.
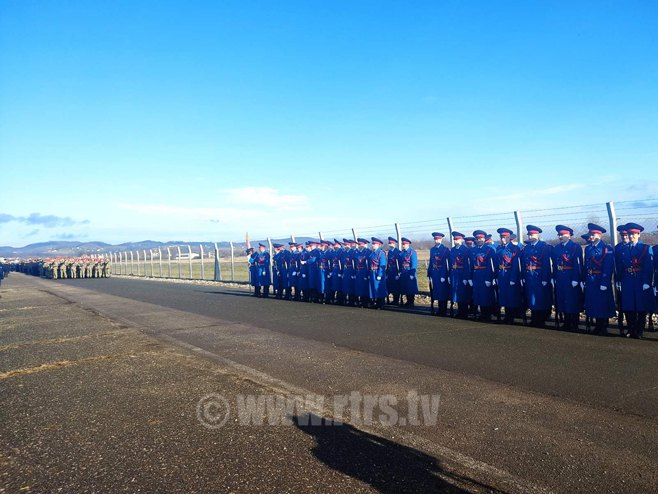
[240, 272]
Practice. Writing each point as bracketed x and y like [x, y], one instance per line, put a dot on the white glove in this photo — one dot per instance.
[645, 287]
[655, 291]
[303, 276]
[354, 277]
[397, 277]
[522, 282]
[329, 275]
[303, 262]
[582, 285]
[443, 280]
[379, 278]
[552, 282]
[544, 283]
[618, 285]
[411, 276]
[495, 281]
[574, 284]
[488, 283]
[512, 283]
[470, 282]
[340, 275]
[465, 282]
[603, 288]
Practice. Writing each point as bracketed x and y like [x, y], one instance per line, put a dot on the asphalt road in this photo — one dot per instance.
[521, 410]
[607, 372]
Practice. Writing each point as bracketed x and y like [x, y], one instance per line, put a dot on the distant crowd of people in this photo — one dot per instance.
[477, 278]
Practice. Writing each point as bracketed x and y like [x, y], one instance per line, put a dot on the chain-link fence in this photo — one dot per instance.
[227, 261]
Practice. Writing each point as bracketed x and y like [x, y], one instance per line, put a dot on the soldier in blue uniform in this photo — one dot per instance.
[536, 270]
[567, 277]
[336, 276]
[315, 280]
[294, 271]
[636, 281]
[348, 272]
[377, 274]
[599, 266]
[655, 281]
[262, 263]
[325, 269]
[470, 243]
[280, 271]
[361, 284]
[619, 248]
[253, 271]
[438, 272]
[408, 262]
[304, 285]
[393, 270]
[482, 275]
[460, 275]
[508, 275]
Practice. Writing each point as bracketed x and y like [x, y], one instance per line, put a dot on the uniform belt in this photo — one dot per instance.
[594, 271]
[533, 268]
[479, 267]
[502, 266]
[564, 268]
[632, 270]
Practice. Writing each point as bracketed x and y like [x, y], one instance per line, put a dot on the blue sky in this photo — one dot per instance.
[199, 120]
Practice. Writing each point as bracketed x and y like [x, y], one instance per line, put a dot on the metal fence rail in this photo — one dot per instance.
[194, 262]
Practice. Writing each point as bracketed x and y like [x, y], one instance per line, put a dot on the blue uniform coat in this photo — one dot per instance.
[636, 271]
[460, 271]
[567, 269]
[262, 264]
[377, 272]
[536, 268]
[393, 270]
[439, 269]
[408, 262]
[361, 287]
[348, 271]
[508, 272]
[482, 272]
[599, 265]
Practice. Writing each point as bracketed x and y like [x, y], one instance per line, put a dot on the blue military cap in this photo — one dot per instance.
[262, 245]
[405, 240]
[457, 235]
[594, 228]
[505, 232]
[512, 236]
[337, 242]
[249, 250]
[470, 239]
[363, 241]
[487, 236]
[585, 236]
[391, 239]
[533, 229]
[276, 246]
[622, 229]
[563, 230]
[292, 243]
[479, 233]
[634, 228]
[347, 240]
[438, 235]
[375, 240]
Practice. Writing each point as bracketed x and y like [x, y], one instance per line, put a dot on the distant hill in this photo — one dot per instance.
[75, 249]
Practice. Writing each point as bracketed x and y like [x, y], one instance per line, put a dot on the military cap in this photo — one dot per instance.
[504, 232]
[470, 239]
[622, 229]
[347, 241]
[337, 242]
[594, 228]
[438, 235]
[277, 246]
[375, 240]
[292, 243]
[533, 229]
[457, 235]
[405, 240]
[479, 233]
[391, 239]
[585, 236]
[363, 241]
[249, 250]
[634, 228]
[563, 230]
[512, 236]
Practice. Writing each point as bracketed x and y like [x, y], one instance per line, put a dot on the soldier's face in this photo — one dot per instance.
[375, 246]
[479, 241]
[594, 237]
[437, 241]
[405, 246]
[392, 245]
[458, 241]
[533, 236]
[504, 239]
[624, 238]
[564, 238]
[634, 237]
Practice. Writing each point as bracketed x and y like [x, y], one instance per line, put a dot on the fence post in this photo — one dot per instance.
[292, 238]
[320, 235]
[168, 263]
[132, 267]
[398, 232]
[160, 260]
[189, 260]
[137, 262]
[218, 269]
[612, 216]
[232, 263]
[519, 227]
[354, 234]
[180, 275]
[144, 251]
[151, 254]
[203, 272]
[450, 230]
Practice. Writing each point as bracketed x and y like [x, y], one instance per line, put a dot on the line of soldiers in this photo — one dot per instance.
[63, 268]
[479, 278]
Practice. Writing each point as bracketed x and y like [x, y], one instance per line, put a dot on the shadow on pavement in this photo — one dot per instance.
[387, 466]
